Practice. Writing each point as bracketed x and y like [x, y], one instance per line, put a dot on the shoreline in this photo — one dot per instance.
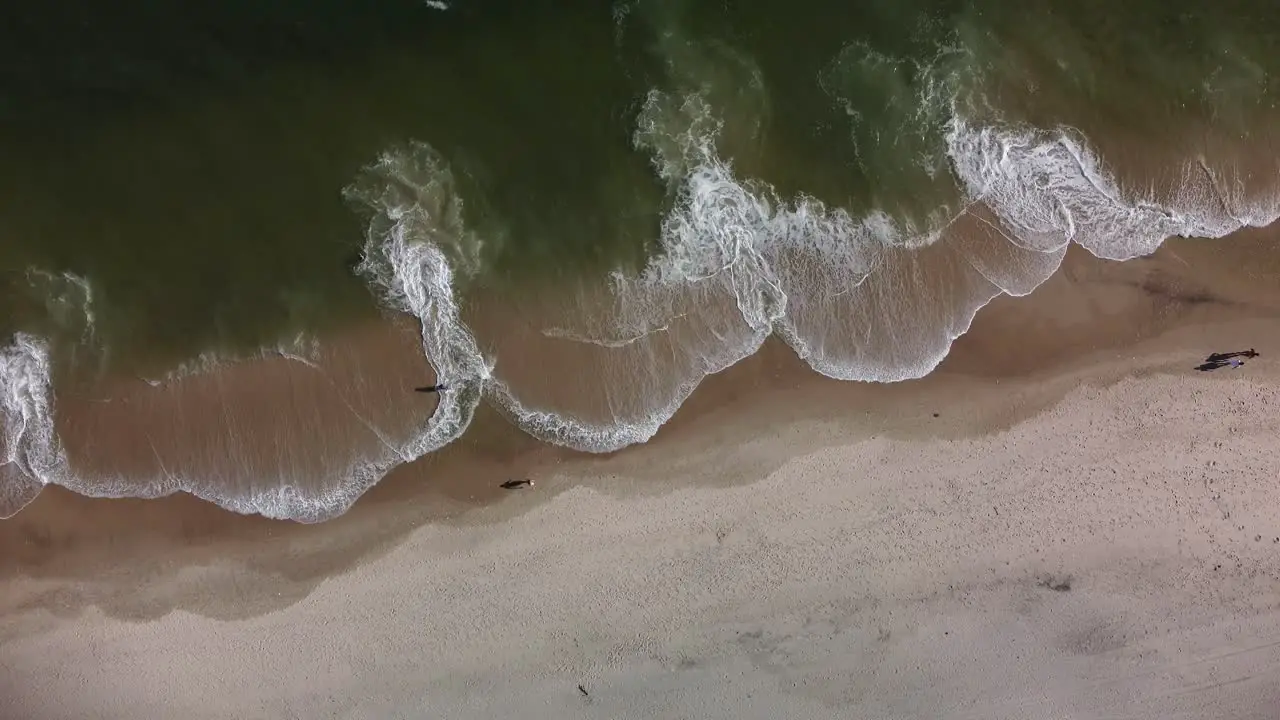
[786, 476]
[1060, 338]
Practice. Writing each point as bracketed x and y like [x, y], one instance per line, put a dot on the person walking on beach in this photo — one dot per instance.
[430, 388]
[1232, 363]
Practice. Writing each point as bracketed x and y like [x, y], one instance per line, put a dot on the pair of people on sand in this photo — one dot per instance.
[1231, 359]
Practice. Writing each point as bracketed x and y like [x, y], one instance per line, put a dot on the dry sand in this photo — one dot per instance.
[1092, 537]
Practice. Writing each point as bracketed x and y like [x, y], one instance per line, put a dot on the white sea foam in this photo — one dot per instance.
[68, 299]
[860, 298]
[1050, 188]
[32, 453]
[302, 348]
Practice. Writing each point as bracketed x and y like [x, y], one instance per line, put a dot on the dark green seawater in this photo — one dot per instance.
[634, 193]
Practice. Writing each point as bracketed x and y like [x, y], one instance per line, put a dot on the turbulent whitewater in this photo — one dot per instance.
[875, 295]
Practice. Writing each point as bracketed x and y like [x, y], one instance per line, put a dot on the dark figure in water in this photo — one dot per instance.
[513, 484]
[430, 388]
[1215, 364]
[1221, 357]
[583, 691]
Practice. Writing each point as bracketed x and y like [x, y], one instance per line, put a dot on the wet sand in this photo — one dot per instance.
[1065, 520]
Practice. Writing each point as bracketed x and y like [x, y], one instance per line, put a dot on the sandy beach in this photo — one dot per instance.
[1064, 521]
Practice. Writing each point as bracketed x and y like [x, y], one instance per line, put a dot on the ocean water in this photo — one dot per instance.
[234, 238]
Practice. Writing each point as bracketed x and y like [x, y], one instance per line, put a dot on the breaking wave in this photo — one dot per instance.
[858, 298]
[32, 454]
[866, 297]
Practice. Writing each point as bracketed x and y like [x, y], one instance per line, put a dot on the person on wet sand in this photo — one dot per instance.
[513, 484]
[430, 388]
